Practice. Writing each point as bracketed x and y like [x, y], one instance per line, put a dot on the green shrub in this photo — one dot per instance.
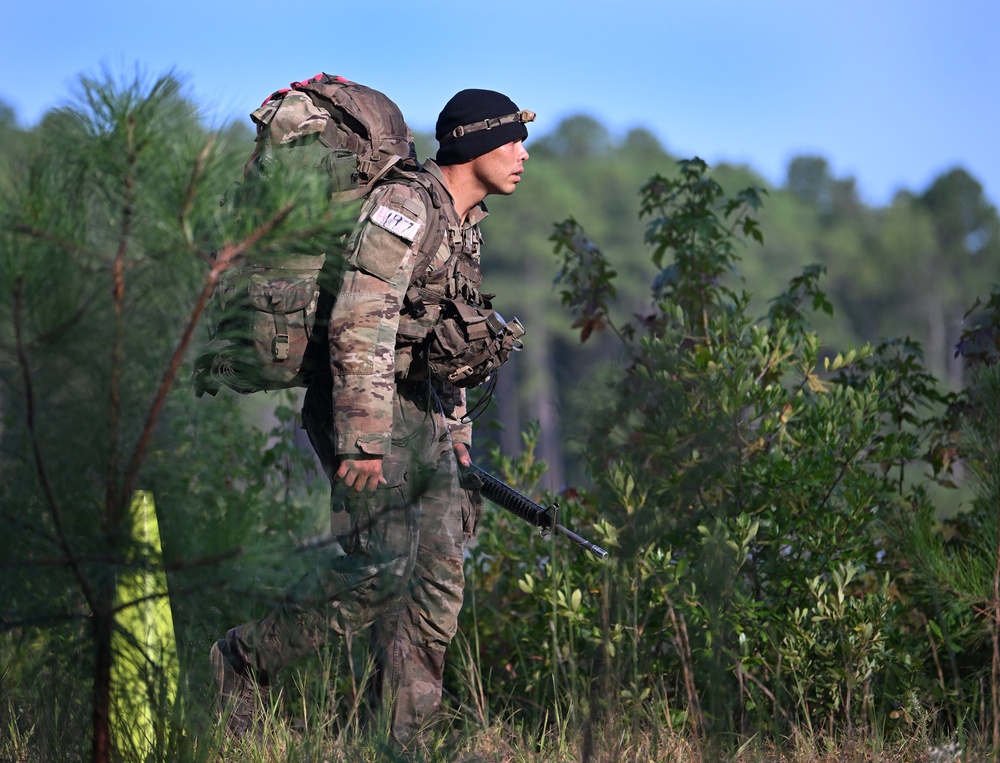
[742, 472]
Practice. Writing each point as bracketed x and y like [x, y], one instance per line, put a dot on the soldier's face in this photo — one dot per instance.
[500, 170]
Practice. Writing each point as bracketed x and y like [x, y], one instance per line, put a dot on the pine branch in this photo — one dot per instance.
[224, 260]
[43, 477]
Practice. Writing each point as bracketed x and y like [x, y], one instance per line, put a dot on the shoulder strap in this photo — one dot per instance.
[437, 221]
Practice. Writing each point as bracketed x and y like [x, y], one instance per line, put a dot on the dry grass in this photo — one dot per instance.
[455, 740]
[281, 741]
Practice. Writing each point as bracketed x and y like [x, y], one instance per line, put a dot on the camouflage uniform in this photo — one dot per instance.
[401, 573]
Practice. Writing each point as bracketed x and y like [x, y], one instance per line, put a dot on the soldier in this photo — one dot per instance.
[387, 417]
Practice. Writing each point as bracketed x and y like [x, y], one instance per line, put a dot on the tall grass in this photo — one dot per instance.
[320, 715]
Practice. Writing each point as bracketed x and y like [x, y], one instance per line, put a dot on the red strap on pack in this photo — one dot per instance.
[299, 85]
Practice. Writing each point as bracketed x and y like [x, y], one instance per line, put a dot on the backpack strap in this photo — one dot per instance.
[440, 228]
[437, 222]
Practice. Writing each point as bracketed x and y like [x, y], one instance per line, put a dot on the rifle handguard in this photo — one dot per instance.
[504, 496]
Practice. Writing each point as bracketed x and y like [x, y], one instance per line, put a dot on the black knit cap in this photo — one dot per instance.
[467, 108]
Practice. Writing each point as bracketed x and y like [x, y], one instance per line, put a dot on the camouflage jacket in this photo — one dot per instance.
[380, 257]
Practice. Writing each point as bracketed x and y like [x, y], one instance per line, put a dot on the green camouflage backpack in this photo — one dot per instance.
[263, 310]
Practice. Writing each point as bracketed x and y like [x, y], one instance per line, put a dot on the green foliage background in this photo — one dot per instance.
[909, 269]
[753, 393]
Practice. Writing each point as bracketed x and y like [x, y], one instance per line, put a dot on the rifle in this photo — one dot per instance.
[506, 497]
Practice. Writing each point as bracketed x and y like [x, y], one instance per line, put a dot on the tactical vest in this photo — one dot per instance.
[448, 329]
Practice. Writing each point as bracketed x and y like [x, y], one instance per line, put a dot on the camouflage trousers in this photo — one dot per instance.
[398, 570]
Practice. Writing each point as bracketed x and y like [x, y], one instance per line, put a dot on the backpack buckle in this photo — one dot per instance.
[279, 347]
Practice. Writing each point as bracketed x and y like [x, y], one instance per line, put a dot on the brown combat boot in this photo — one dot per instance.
[240, 699]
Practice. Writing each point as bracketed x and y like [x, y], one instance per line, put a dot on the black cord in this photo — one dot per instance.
[484, 401]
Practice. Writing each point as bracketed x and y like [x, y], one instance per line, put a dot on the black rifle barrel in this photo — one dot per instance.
[506, 497]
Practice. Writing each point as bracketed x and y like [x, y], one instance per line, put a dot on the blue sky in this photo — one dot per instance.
[890, 92]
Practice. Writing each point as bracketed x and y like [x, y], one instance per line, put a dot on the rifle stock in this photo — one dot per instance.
[546, 519]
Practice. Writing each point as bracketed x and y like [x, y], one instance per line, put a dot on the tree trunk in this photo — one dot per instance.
[103, 657]
[544, 407]
[508, 405]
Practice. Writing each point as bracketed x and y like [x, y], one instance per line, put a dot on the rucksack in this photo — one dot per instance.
[263, 311]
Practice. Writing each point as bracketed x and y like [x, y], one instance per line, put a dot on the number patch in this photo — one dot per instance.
[396, 222]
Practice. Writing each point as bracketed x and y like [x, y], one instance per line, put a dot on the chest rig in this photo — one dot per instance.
[448, 329]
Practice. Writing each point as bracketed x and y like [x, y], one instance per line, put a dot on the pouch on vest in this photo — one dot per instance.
[468, 344]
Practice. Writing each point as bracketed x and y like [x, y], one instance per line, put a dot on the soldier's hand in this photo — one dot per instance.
[462, 454]
[361, 472]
